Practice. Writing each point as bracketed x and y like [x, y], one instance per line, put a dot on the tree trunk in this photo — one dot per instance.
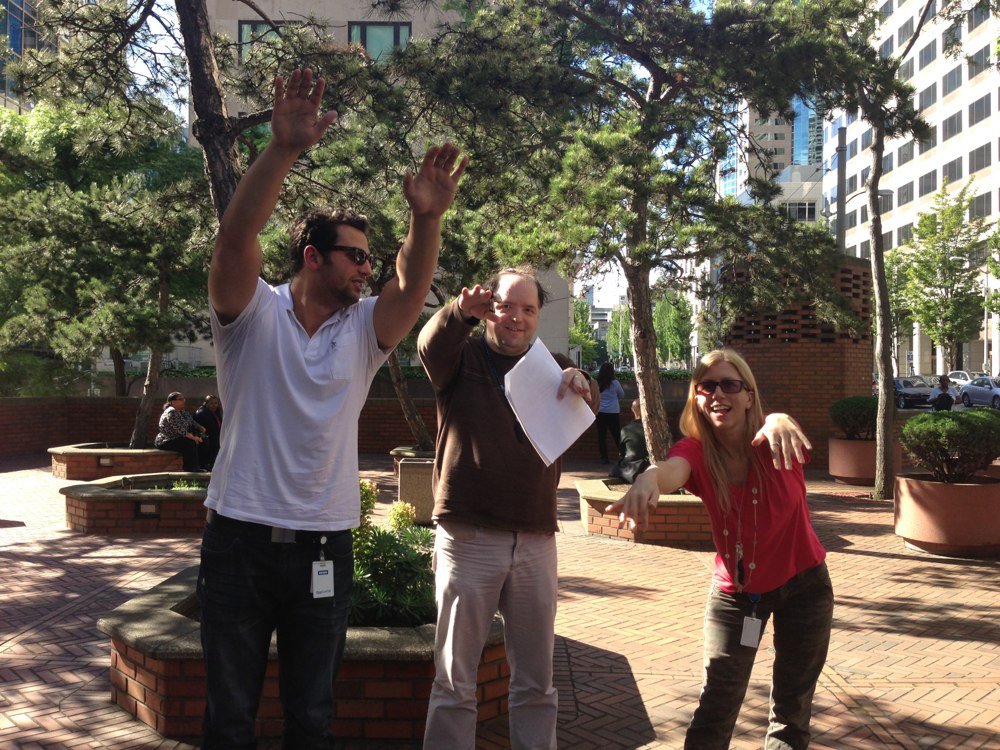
[884, 470]
[121, 383]
[212, 126]
[414, 421]
[140, 430]
[647, 372]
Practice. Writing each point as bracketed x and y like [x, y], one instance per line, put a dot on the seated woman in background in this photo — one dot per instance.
[180, 433]
[209, 416]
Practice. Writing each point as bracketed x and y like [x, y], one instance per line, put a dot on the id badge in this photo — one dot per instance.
[751, 632]
[322, 579]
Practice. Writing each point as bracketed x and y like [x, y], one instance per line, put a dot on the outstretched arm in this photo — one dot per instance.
[296, 125]
[665, 477]
[429, 193]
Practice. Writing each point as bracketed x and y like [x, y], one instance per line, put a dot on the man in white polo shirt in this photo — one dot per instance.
[294, 365]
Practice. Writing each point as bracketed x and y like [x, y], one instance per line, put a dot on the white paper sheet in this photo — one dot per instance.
[551, 425]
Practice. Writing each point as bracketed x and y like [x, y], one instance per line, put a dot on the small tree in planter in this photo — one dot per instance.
[953, 445]
[951, 510]
[856, 416]
[852, 458]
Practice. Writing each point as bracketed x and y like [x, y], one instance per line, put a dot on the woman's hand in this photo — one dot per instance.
[786, 439]
[633, 509]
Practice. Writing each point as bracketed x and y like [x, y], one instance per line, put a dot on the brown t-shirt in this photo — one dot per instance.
[486, 471]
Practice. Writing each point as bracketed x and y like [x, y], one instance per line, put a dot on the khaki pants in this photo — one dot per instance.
[479, 571]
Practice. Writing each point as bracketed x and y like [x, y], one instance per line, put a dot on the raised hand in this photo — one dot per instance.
[295, 120]
[431, 191]
[477, 302]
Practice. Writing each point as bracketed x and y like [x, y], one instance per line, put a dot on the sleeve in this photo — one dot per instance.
[440, 345]
[690, 450]
[618, 389]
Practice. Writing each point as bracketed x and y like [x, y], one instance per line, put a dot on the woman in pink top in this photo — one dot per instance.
[768, 563]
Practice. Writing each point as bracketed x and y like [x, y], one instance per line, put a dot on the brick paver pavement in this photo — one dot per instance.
[914, 661]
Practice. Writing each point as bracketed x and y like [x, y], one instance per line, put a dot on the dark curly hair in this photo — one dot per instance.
[318, 227]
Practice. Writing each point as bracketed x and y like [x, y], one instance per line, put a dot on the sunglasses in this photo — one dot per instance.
[730, 385]
[359, 256]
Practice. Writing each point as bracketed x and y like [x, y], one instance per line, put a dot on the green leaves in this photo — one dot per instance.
[953, 445]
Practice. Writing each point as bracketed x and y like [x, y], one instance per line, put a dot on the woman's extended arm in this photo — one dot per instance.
[662, 478]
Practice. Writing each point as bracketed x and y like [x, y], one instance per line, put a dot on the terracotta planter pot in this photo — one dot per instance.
[853, 461]
[956, 520]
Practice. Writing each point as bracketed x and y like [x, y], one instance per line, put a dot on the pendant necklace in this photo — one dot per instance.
[738, 570]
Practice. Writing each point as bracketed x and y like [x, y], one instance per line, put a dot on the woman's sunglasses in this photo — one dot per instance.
[730, 385]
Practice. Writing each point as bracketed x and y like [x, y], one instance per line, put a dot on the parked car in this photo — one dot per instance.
[959, 378]
[982, 391]
[911, 391]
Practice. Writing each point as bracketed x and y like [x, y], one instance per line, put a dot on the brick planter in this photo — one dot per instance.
[98, 460]
[128, 505]
[678, 520]
[157, 672]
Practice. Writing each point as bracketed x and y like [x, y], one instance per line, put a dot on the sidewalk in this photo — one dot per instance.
[914, 661]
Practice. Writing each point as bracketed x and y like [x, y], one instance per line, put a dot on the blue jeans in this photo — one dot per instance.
[248, 587]
[803, 616]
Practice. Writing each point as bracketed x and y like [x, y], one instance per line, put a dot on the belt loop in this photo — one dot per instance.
[282, 536]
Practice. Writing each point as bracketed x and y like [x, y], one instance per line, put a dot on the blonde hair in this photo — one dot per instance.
[695, 425]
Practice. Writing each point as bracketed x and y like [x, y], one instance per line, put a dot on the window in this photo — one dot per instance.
[866, 139]
[379, 38]
[980, 206]
[864, 175]
[926, 144]
[952, 171]
[253, 33]
[886, 48]
[885, 203]
[904, 233]
[887, 163]
[852, 149]
[801, 211]
[951, 126]
[887, 241]
[905, 31]
[928, 183]
[906, 70]
[19, 29]
[777, 136]
[904, 194]
[952, 36]
[866, 249]
[979, 110]
[979, 158]
[951, 81]
[979, 62]
[852, 117]
[979, 15]
[852, 184]
[927, 97]
[905, 153]
[886, 10]
[864, 215]
[851, 220]
[927, 54]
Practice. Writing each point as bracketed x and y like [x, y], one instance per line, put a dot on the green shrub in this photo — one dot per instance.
[953, 445]
[393, 580]
[856, 416]
[402, 515]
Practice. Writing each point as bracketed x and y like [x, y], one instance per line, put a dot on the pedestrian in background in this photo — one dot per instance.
[608, 415]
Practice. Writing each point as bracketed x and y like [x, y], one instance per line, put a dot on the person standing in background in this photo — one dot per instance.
[608, 415]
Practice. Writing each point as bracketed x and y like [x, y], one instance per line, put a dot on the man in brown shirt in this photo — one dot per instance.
[495, 504]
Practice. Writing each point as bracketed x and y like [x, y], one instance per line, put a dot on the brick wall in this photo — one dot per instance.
[179, 514]
[375, 700]
[671, 523]
[803, 365]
